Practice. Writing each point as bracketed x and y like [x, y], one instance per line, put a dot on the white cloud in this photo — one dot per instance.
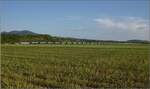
[130, 23]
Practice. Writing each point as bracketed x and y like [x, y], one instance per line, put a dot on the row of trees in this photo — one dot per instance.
[12, 38]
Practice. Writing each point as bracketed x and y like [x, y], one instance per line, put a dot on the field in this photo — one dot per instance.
[76, 66]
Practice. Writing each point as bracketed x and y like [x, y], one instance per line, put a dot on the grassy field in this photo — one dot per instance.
[76, 66]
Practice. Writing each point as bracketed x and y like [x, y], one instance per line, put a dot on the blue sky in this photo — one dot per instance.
[91, 19]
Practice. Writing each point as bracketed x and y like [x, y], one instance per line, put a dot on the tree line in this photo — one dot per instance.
[13, 38]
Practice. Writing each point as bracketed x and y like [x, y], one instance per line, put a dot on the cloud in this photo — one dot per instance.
[130, 23]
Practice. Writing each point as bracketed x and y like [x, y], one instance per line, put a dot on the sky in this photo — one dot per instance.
[90, 19]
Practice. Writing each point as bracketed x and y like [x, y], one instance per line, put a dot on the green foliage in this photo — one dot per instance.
[106, 66]
[12, 38]
[9, 38]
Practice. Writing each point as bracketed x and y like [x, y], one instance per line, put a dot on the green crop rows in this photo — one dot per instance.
[121, 66]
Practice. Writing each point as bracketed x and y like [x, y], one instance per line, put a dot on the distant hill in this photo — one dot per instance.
[24, 32]
[25, 35]
[137, 41]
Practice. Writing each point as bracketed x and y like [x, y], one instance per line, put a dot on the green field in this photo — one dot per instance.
[76, 66]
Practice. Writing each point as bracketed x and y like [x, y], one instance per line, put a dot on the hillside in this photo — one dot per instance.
[25, 35]
[23, 32]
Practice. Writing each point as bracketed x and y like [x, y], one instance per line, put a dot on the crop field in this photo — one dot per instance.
[76, 66]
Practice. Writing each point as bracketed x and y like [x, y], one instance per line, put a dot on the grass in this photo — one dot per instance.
[74, 66]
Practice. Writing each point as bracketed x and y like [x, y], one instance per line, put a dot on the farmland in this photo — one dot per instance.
[74, 66]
